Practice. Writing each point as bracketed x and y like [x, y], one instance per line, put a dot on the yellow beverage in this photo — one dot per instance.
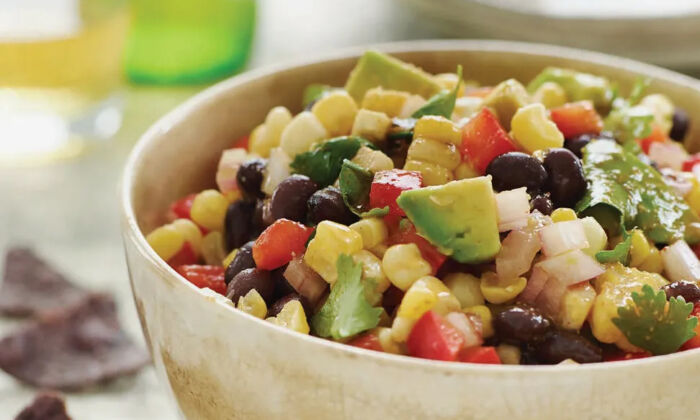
[60, 65]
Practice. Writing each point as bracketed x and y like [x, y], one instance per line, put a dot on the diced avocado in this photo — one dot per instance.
[577, 85]
[459, 218]
[377, 69]
[505, 99]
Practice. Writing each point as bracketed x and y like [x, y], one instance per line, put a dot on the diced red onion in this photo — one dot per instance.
[227, 170]
[513, 209]
[679, 181]
[571, 267]
[470, 331]
[537, 281]
[562, 237]
[305, 280]
[517, 252]
[276, 170]
[549, 300]
[680, 262]
[668, 154]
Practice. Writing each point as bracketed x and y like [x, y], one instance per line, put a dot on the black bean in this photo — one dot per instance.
[289, 198]
[558, 346]
[276, 307]
[258, 222]
[514, 170]
[249, 279]
[680, 124]
[520, 325]
[328, 204]
[242, 261]
[543, 204]
[565, 182]
[689, 290]
[576, 144]
[238, 224]
[392, 298]
[250, 177]
[282, 286]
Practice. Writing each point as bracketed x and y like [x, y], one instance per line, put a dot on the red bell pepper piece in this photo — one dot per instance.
[694, 342]
[211, 276]
[407, 235]
[388, 185]
[280, 243]
[432, 337]
[577, 118]
[184, 256]
[483, 355]
[241, 142]
[657, 136]
[483, 139]
[690, 162]
[181, 208]
[369, 341]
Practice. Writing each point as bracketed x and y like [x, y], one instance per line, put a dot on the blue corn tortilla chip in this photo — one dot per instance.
[46, 406]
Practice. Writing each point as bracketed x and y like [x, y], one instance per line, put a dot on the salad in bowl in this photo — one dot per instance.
[546, 221]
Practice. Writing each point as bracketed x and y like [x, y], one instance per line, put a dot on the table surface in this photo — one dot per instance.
[68, 211]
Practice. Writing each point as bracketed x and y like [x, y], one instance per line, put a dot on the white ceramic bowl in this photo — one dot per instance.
[220, 363]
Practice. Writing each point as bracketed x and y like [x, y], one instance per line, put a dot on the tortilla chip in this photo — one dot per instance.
[45, 407]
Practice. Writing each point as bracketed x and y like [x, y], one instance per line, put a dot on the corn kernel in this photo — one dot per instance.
[386, 341]
[256, 141]
[191, 233]
[653, 263]
[533, 130]
[466, 288]
[465, 170]
[371, 125]
[509, 354]
[301, 133]
[432, 174]
[292, 316]
[693, 197]
[252, 303]
[403, 265]
[576, 304]
[389, 102]
[448, 81]
[372, 272]
[267, 136]
[484, 313]
[437, 128]
[166, 241]
[373, 231]
[563, 214]
[401, 329]
[466, 107]
[229, 258]
[337, 112]
[595, 235]
[432, 151]
[427, 293]
[551, 95]
[497, 290]
[209, 210]
[331, 240]
[373, 160]
[640, 249]
[379, 250]
[213, 250]
[661, 108]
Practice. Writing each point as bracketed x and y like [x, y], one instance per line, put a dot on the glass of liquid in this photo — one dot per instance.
[60, 68]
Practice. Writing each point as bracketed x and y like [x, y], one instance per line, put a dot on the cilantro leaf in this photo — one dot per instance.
[627, 120]
[354, 183]
[324, 162]
[442, 103]
[346, 311]
[621, 252]
[648, 322]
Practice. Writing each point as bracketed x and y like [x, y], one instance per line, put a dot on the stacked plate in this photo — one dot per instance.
[662, 32]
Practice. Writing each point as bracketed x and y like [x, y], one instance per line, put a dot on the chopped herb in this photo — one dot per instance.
[354, 183]
[442, 103]
[324, 162]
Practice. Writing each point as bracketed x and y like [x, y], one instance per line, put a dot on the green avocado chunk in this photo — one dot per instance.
[578, 86]
[376, 69]
[459, 217]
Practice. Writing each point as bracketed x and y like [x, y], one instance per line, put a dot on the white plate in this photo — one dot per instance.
[665, 33]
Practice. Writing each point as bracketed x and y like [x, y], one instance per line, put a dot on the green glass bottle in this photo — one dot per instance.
[188, 42]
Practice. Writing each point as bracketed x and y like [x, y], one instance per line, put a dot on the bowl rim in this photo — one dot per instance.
[131, 230]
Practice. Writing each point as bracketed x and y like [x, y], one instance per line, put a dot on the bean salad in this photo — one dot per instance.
[430, 216]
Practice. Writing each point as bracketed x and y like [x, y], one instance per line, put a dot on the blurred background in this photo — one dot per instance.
[80, 80]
